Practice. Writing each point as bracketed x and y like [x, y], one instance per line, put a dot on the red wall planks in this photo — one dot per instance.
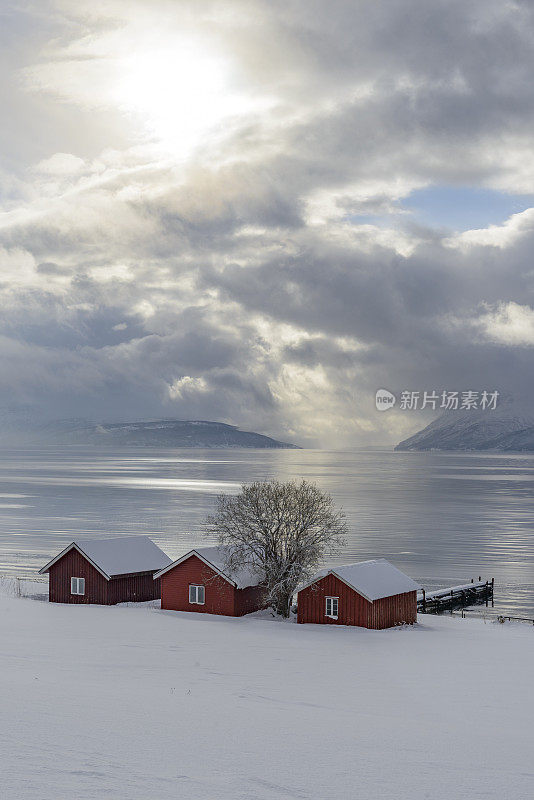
[73, 564]
[250, 599]
[138, 587]
[353, 608]
[135, 588]
[398, 609]
[220, 596]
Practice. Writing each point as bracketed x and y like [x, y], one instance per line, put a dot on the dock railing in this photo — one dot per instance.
[463, 595]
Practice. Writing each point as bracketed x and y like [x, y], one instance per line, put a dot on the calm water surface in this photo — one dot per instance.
[442, 518]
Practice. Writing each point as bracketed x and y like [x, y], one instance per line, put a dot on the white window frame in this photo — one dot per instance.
[77, 586]
[197, 590]
[330, 601]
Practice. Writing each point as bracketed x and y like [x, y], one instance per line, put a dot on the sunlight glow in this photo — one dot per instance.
[181, 91]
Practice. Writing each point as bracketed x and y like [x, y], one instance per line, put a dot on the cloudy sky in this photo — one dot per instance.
[261, 211]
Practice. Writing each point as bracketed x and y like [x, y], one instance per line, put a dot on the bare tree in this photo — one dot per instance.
[280, 531]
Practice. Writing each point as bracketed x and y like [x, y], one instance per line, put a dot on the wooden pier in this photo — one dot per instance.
[455, 596]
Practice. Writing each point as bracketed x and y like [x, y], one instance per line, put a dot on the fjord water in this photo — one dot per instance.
[441, 517]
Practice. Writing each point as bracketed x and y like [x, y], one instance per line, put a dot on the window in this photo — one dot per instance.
[77, 585]
[331, 607]
[196, 594]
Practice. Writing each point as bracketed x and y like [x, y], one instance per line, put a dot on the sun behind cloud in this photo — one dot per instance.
[181, 92]
[205, 209]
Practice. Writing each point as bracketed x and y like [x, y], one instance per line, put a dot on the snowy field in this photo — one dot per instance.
[135, 703]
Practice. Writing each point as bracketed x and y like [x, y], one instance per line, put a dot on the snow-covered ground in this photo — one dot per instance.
[132, 702]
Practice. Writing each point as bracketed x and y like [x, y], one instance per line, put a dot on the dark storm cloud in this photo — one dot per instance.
[238, 283]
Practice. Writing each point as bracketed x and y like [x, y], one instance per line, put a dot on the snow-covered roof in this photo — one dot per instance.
[216, 558]
[119, 555]
[372, 579]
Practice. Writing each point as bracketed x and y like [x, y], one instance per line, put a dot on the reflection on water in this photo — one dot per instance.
[441, 517]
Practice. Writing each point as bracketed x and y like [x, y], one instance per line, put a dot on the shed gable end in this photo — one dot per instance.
[219, 597]
[74, 565]
[352, 608]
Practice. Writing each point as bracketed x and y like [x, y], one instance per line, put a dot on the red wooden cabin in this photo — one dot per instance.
[200, 581]
[106, 571]
[370, 594]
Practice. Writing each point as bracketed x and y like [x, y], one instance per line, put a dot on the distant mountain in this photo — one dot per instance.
[154, 433]
[510, 427]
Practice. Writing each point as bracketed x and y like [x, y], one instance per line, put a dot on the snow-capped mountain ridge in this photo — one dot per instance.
[145, 433]
[509, 427]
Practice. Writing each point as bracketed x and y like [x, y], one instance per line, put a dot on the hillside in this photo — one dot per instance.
[509, 427]
[152, 433]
